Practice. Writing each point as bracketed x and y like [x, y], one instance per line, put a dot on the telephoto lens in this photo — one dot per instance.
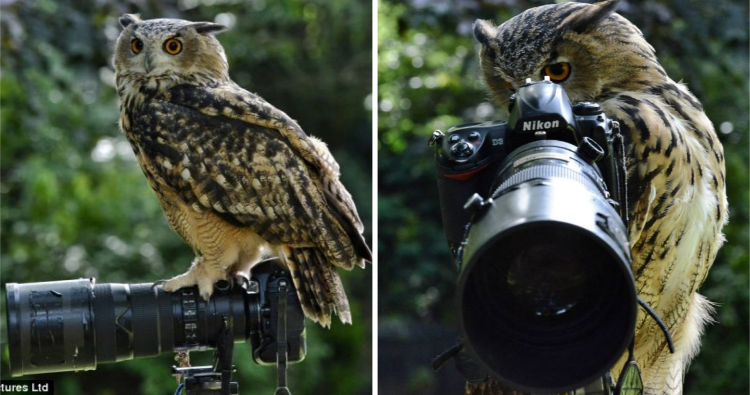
[546, 293]
[76, 324]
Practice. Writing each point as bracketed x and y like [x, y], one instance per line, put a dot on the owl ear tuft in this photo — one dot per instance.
[207, 28]
[591, 15]
[483, 31]
[129, 19]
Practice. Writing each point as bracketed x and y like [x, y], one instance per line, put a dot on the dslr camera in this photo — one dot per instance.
[74, 325]
[534, 211]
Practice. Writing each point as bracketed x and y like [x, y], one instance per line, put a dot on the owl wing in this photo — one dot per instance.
[249, 173]
[233, 102]
[675, 192]
[678, 205]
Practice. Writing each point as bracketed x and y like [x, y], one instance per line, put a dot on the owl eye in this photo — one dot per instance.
[558, 72]
[136, 46]
[172, 46]
[508, 85]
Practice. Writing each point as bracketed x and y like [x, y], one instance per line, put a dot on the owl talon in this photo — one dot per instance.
[205, 286]
[206, 289]
[177, 282]
[242, 280]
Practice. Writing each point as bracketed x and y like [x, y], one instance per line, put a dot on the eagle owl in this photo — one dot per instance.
[675, 162]
[235, 176]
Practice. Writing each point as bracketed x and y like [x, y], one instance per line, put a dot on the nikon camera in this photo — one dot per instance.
[534, 210]
[75, 325]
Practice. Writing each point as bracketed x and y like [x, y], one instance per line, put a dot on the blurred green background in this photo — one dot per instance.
[75, 203]
[429, 79]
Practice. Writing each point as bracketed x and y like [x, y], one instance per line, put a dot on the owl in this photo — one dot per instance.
[675, 162]
[237, 178]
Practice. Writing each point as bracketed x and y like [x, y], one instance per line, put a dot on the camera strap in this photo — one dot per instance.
[621, 183]
[281, 341]
[224, 354]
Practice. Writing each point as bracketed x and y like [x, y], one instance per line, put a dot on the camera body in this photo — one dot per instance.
[264, 336]
[74, 325]
[469, 156]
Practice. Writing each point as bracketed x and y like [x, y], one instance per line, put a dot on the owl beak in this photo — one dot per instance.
[149, 63]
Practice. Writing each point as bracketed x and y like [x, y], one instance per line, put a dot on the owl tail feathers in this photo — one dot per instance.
[346, 213]
[318, 285]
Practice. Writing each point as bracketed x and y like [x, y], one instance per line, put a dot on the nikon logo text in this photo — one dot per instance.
[540, 125]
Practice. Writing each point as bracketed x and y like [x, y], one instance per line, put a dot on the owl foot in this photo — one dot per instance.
[197, 275]
[158, 283]
[205, 286]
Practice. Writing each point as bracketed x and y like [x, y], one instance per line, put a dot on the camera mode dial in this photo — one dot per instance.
[462, 149]
[586, 108]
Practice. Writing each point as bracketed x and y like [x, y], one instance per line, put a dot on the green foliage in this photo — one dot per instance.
[75, 203]
[705, 44]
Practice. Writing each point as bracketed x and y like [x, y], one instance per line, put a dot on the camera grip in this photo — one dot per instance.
[453, 195]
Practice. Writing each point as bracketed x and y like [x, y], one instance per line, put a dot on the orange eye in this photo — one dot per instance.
[136, 46]
[509, 85]
[172, 46]
[558, 72]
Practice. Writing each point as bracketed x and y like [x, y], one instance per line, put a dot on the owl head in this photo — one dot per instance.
[591, 51]
[170, 49]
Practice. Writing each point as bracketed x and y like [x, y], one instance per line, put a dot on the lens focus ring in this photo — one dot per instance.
[145, 330]
[104, 320]
[550, 171]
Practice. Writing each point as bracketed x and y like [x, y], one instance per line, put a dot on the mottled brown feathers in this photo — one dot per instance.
[675, 162]
[236, 177]
[490, 387]
[320, 289]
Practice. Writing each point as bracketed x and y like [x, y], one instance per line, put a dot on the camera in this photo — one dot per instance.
[534, 212]
[74, 325]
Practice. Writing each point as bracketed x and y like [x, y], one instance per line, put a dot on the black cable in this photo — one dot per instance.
[658, 320]
[441, 359]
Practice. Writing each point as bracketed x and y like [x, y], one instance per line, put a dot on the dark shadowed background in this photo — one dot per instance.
[75, 203]
[429, 79]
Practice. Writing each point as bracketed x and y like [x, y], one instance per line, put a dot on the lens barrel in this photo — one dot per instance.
[75, 325]
[546, 293]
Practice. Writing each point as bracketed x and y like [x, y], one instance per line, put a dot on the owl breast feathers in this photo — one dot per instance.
[675, 162]
[235, 176]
